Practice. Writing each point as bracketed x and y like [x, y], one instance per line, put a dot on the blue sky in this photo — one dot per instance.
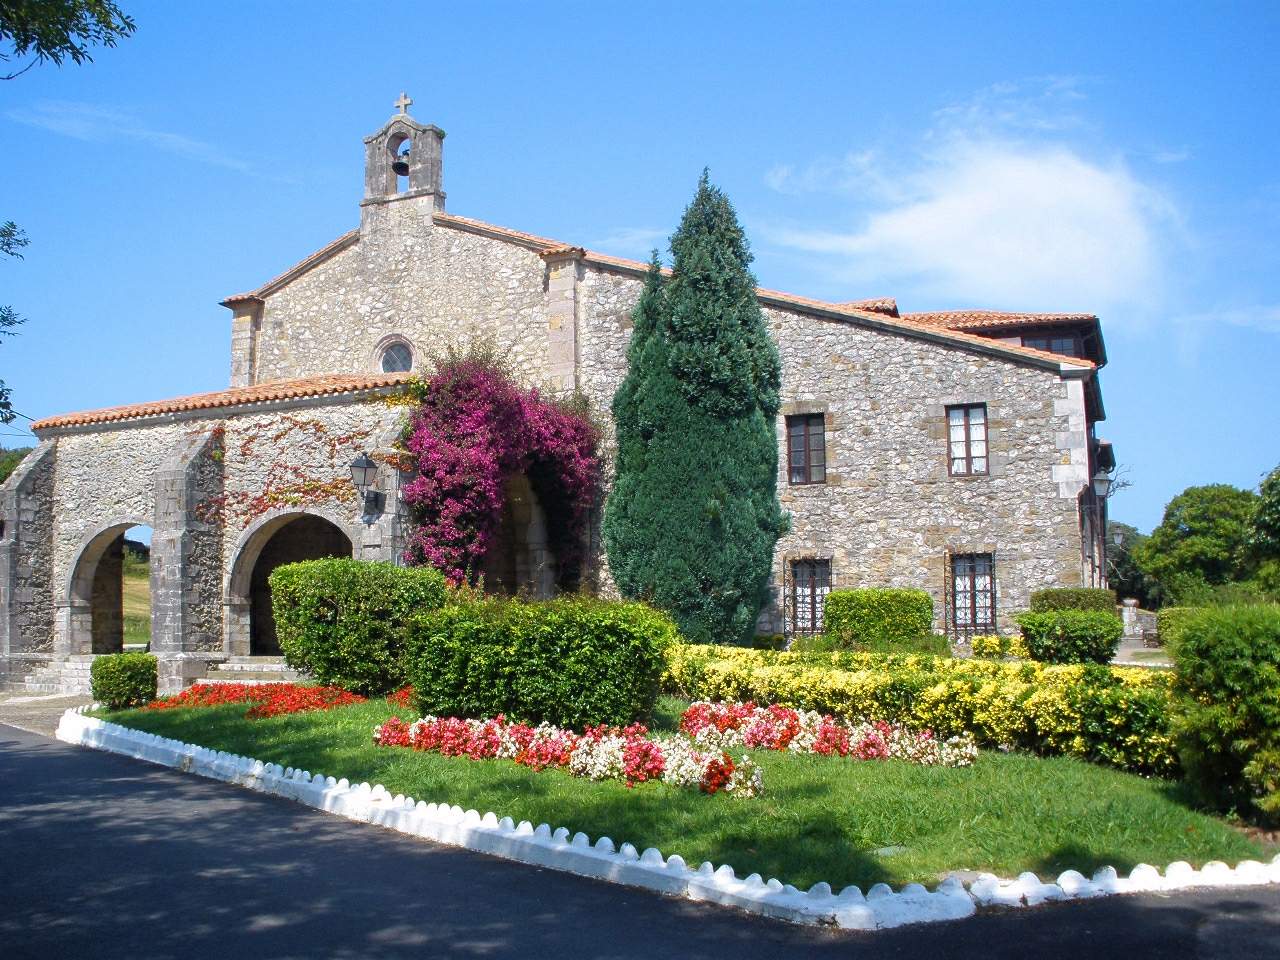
[1112, 158]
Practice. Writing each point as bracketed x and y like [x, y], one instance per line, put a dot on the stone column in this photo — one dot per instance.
[563, 274]
[186, 561]
[245, 323]
[27, 610]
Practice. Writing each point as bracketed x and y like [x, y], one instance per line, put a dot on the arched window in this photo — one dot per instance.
[397, 357]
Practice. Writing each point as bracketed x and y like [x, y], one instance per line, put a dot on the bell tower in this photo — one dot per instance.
[404, 159]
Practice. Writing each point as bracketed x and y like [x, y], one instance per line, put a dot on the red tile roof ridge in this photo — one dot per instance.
[271, 390]
[955, 319]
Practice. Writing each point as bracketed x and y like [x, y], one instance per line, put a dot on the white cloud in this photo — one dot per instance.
[1264, 318]
[637, 242]
[89, 122]
[1008, 224]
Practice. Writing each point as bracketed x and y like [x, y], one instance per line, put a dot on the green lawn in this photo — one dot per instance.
[137, 605]
[821, 818]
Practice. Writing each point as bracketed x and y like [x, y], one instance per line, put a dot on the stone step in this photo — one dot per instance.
[250, 666]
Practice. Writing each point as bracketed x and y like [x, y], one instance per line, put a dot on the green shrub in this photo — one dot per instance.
[1118, 716]
[571, 661]
[1073, 598]
[1169, 621]
[123, 680]
[769, 641]
[344, 621]
[1071, 636]
[887, 621]
[995, 647]
[1227, 721]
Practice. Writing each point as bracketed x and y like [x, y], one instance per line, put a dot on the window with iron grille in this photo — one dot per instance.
[967, 440]
[810, 584]
[807, 448]
[973, 594]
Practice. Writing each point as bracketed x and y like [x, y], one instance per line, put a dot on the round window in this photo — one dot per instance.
[397, 358]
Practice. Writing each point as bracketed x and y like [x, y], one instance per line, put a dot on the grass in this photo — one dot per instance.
[137, 604]
[820, 818]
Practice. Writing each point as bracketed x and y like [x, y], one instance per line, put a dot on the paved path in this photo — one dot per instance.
[102, 857]
[37, 713]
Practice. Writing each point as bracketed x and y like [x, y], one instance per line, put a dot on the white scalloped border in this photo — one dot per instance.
[541, 846]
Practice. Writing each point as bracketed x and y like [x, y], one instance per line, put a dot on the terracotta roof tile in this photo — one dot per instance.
[272, 390]
[886, 305]
[990, 319]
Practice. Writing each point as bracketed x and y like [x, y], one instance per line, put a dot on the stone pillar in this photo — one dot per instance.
[186, 561]
[564, 267]
[383, 538]
[27, 611]
[245, 324]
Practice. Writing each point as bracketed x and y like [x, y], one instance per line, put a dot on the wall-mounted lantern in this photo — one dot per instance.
[364, 471]
[1101, 484]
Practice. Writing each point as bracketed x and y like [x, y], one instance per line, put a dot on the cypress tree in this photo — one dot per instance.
[692, 519]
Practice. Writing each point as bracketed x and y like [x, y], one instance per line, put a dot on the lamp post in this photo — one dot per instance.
[363, 473]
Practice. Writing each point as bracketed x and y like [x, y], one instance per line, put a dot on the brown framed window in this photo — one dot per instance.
[807, 597]
[1068, 346]
[973, 593]
[807, 448]
[967, 440]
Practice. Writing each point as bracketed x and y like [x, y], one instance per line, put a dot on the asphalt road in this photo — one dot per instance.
[102, 856]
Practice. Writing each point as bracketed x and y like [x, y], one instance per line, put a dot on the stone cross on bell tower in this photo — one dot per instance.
[404, 159]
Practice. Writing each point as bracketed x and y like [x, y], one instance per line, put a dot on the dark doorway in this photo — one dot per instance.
[306, 538]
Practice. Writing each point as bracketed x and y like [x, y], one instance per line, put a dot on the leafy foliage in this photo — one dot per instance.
[1202, 540]
[1265, 536]
[57, 30]
[692, 519]
[123, 680]
[9, 460]
[1073, 598]
[1124, 574]
[12, 240]
[1071, 636]
[571, 661]
[1227, 725]
[1111, 715]
[343, 621]
[887, 621]
[472, 429]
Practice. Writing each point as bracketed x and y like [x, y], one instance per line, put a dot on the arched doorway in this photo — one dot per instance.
[109, 596]
[299, 537]
[519, 559]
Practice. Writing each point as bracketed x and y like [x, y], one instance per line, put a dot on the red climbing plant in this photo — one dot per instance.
[471, 430]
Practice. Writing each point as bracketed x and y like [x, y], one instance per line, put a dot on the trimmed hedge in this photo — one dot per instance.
[1227, 711]
[881, 620]
[1071, 636]
[123, 680]
[571, 661]
[1169, 622]
[1112, 715]
[343, 621]
[1073, 598]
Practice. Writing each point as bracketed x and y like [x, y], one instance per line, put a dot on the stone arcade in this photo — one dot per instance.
[948, 451]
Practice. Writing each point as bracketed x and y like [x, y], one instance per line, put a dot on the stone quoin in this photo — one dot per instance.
[950, 452]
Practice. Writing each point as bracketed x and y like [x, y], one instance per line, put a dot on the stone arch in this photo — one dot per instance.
[281, 536]
[519, 559]
[93, 619]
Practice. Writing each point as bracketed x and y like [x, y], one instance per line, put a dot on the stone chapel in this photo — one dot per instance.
[954, 452]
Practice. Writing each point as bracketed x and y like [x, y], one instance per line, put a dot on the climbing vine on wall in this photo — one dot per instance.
[473, 428]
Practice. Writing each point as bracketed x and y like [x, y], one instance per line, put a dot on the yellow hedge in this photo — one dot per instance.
[1112, 715]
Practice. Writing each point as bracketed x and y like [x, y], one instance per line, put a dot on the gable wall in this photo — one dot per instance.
[434, 285]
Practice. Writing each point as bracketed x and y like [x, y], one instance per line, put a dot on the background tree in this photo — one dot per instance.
[12, 240]
[693, 517]
[1265, 536]
[1202, 542]
[58, 30]
[1124, 575]
[9, 460]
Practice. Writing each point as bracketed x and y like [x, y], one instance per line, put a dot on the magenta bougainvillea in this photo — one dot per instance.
[474, 428]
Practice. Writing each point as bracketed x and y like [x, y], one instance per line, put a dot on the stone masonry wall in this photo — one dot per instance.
[407, 277]
[26, 557]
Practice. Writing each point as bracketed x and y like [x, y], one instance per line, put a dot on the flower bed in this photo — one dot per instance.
[598, 753]
[776, 727]
[267, 699]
